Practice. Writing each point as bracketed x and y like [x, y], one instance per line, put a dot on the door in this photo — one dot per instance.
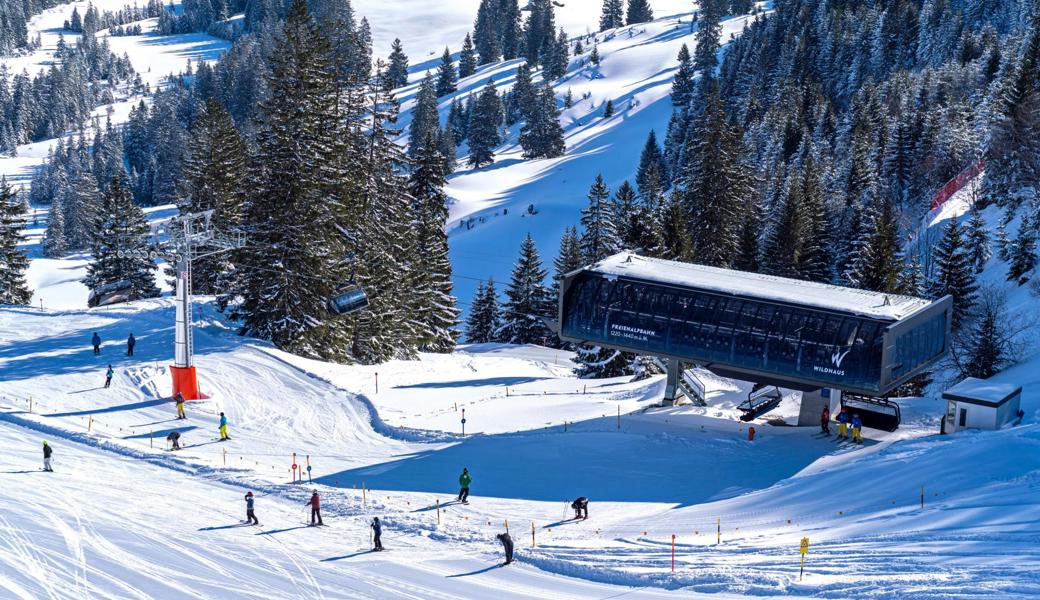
[963, 420]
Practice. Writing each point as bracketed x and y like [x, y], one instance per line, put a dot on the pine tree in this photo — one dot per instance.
[875, 265]
[911, 279]
[525, 94]
[953, 272]
[120, 246]
[626, 206]
[397, 71]
[214, 179]
[986, 349]
[527, 300]
[747, 258]
[569, 259]
[594, 55]
[599, 238]
[509, 29]
[815, 260]
[54, 243]
[541, 135]
[608, 109]
[709, 35]
[485, 32]
[1022, 253]
[977, 241]
[457, 121]
[467, 58]
[13, 262]
[81, 204]
[639, 11]
[425, 118]
[539, 31]
[435, 315]
[484, 135]
[612, 15]
[651, 165]
[597, 362]
[675, 237]
[484, 315]
[447, 81]
[787, 233]
[557, 59]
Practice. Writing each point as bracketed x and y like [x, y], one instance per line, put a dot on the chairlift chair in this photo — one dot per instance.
[761, 399]
[349, 299]
[110, 293]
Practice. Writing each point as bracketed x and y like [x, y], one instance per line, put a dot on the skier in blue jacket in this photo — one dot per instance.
[223, 428]
[108, 376]
[857, 427]
[96, 342]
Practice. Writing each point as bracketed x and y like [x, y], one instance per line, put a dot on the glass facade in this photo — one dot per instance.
[919, 345]
[833, 350]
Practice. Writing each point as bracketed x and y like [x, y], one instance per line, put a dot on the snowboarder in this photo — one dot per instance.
[857, 428]
[108, 376]
[843, 424]
[130, 343]
[223, 428]
[377, 531]
[250, 515]
[315, 504]
[180, 406]
[580, 506]
[96, 342]
[825, 421]
[47, 451]
[175, 440]
[507, 545]
[464, 480]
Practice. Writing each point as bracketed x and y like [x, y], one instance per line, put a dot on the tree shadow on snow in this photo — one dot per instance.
[490, 381]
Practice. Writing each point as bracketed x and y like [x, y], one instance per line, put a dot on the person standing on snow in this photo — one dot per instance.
[825, 421]
[464, 480]
[180, 406]
[108, 376]
[581, 508]
[250, 515]
[507, 545]
[377, 531]
[857, 429]
[96, 342]
[47, 451]
[130, 343]
[223, 428]
[315, 504]
[843, 424]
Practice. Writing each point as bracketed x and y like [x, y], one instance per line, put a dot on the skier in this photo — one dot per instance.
[843, 424]
[377, 530]
[250, 515]
[857, 427]
[130, 343]
[315, 504]
[581, 505]
[108, 376]
[825, 421]
[507, 545]
[175, 440]
[180, 406]
[47, 451]
[96, 342]
[223, 428]
[464, 480]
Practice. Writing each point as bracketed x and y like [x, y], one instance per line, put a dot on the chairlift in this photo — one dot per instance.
[349, 299]
[761, 399]
[110, 293]
[876, 413]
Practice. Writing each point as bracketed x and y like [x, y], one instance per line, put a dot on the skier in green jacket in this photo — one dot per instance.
[464, 480]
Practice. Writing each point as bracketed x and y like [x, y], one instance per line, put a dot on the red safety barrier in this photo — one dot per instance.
[185, 382]
[956, 184]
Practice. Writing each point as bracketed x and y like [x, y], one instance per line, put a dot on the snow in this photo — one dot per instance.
[978, 390]
[761, 286]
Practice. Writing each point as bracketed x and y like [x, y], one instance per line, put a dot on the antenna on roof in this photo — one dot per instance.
[887, 302]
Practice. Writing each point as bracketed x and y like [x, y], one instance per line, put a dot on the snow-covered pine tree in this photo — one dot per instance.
[484, 134]
[781, 253]
[214, 179]
[675, 236]
[509, 29]
[445, 140]
[484, 315]
[748, 255]
[815, 259]
[639, 11]
[294, 260]
[709, 35]
[13, 262]
[425, 118]
[539, 31]
[120, 245]
[608, 109]
[613, 14]
[594, 55]
[1022, 254]
[568, 99]
[597, 362]
[525, 94]
[397, 68]
[651, 165]
[486, 33]
[54, 244]
[875, 265]
[911, 278]
[953, 273]
[557, 58]
[467, 58]
[541, 135]
[457, 121]
[986, 348]
[1003, 243]
[435, 315]
[977, 241]
[527, 300]
[626, 207]
[599, 231]
[81, 204]
[569, 259]
[447, 80]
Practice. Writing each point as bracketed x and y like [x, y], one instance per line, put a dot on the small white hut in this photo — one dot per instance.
[981, 404]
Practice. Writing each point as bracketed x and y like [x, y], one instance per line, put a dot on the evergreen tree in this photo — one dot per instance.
[675, 237]
[651, 165]
[54, 243]
[953, 272]
[120, 246]
[525, 94]
[569, 259]
[594, 55]
[484, 135]
[639, 11]
[911, 279]
[539, 31]
[986, 349]
[709, 35]
[875, 265]
[397, 70]
[599, 238]
[484, 318]
[485, 32]
[435, 316]
[541, 135]
[509, 29]
[787, 233]
[447, 82]
[457, 121]
[977, 241]
[13, 262]
[626, 206]
[557, 58]
[1022, 253]
[815, 260]
[597, 362]
[425, 118]
[527, 300]
[467, 58]
[612, 15]
[608, 109]
[214, 179]
[81, 204]
[747, 258]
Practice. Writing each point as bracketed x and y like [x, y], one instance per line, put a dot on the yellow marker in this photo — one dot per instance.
[804, 549]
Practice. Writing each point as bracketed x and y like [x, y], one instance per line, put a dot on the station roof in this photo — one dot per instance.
[891, 307]
[982, 391]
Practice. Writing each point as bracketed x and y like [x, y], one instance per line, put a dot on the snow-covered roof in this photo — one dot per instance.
[982, 391]
[763, 287]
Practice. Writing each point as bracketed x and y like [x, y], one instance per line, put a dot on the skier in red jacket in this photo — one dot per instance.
[315, 504]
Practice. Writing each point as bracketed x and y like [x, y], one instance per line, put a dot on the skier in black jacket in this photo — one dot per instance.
[580, 506]
[250, 515]
[507, 545]
[377, 531]
[47, 457]
[130, 343]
